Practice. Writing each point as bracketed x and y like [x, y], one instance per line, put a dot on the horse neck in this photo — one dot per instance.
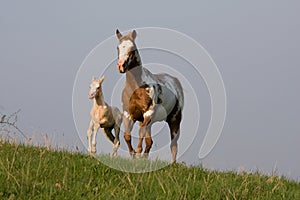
[99, 99]
[134, 76]
[135, 72]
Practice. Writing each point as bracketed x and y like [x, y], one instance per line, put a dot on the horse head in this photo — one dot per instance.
[95, 87]
[127, 51]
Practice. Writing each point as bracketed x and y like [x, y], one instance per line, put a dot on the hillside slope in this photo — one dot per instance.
[37, 173]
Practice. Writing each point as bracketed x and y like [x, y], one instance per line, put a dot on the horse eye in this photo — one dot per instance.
[123, 46]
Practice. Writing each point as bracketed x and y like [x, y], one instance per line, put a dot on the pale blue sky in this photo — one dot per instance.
[255, 44]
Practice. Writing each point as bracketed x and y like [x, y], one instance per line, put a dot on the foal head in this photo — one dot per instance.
[127, 51]
[95, 87]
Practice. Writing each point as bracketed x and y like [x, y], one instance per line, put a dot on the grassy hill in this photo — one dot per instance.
[38, 173]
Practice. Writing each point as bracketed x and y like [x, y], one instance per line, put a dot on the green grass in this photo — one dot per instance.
[38, 173]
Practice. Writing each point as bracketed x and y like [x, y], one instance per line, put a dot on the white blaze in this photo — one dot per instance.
[124, 49]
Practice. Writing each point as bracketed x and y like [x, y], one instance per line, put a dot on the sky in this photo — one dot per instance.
[255, 45]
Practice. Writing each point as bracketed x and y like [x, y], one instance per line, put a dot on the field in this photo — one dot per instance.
[28, 172]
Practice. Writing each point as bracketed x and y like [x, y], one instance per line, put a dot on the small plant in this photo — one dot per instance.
[8, 124]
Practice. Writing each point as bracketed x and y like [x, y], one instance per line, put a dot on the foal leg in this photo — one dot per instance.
[148, 141]
[128, 124]
[94, 142]
[109, 135]
[89, 135]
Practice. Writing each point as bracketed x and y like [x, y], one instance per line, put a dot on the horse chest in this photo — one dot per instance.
[139, 103]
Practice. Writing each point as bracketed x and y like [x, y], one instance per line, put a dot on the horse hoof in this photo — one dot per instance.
[92, 154]
[138, 155]
[132, 154]
[93, 151]
[146, 155]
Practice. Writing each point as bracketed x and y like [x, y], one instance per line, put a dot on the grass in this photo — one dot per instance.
[28, 172]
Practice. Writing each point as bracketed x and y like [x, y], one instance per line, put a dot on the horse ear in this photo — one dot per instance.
[133, 35]
[119, 35]
[101, 79]
[93, 78]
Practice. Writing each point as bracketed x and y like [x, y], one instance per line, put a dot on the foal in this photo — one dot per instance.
[103, 116]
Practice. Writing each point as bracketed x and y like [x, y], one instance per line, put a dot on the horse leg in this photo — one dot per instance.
[148, 141]
[95, 130]
[139, 148]
[89, 135]
[174, 146]
[117, 139]
[128, 124]
[173, 121]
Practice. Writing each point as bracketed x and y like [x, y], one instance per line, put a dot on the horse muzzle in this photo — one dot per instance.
[91, 95]
[121, 66]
